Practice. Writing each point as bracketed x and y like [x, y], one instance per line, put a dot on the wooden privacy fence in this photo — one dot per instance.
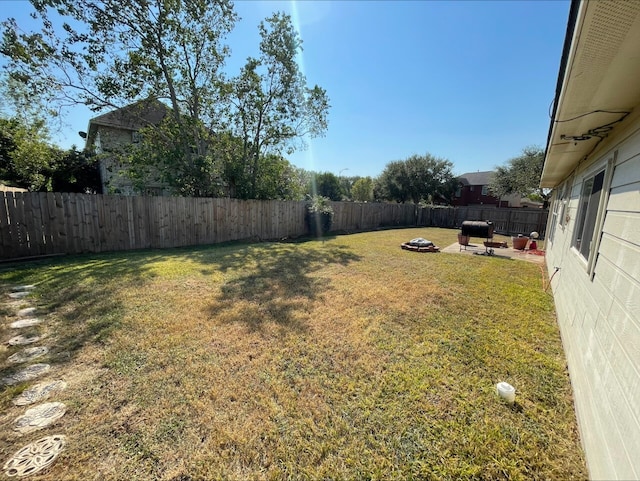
[39, 223]
[505, 221]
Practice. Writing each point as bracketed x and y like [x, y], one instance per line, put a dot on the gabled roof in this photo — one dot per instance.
[598, 85]
[476, 178]
[134, 116]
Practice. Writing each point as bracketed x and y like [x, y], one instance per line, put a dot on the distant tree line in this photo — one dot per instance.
[223, 135]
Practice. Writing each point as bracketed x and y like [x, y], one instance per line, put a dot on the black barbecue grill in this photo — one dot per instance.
[476, 228]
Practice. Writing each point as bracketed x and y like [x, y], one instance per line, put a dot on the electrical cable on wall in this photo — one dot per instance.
[593, 112]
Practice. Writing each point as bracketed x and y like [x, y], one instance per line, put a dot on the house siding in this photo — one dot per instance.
[599, 315]
[112, 172]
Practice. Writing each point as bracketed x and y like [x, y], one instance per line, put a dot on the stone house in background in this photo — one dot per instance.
[111, 132]
[592, 163]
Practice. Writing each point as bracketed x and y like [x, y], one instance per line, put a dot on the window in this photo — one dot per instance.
[554, 216]
[562, 218]
[588, 213]
[559, 208]
[485, 190]
[459, 191]
[135, 137]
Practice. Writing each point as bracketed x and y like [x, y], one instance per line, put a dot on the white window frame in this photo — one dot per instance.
[485, 190]
[600, 212]
[557, 200]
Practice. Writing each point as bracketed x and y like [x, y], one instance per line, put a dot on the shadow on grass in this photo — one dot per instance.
[265, 283]
[274, 283]
[80, 290]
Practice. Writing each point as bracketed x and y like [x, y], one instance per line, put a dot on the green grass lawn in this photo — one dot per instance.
[343, 359]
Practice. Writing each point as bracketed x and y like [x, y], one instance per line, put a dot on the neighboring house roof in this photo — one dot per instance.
[476, 178]
[131, 117]
[6, 188]
[597, 86]
[526, 202]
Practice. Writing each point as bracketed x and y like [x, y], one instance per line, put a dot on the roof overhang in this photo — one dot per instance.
[598, 84]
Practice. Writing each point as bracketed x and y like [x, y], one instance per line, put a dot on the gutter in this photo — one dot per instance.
[568, 39]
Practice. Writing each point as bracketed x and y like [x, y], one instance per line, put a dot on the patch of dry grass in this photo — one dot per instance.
[343, 359]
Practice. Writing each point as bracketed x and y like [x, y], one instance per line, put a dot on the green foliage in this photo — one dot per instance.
[278, 179]
[76, 171]
[161, 156]
[326, 185]
[26, 158]
[319, 216]
[272, 109]
[362, 190]
[110, 53]
[521, 175]
[115, 52]
[28, 161]
[420, 177]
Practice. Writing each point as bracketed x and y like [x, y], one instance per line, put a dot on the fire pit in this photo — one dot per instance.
[420, 244]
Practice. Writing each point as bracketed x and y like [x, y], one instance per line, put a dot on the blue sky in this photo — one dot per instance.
[469, 81]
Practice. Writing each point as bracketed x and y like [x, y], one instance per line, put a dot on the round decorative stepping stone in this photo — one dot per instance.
[33, 321]
[28, 287]
[27, 374]
[19, 295]
[36, 456]
[39, 392]
[28, 354]
[27, 311]
[39, 417]
[22, 340]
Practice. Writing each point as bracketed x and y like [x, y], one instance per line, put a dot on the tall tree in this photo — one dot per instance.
[418, 178]
[521, 175]
[362, 190]
[278, 179]
[393, 183]
[158, 159]
[110, 53]
[346, 184]
[273, 109]
[26, 157]
[76, 171]
[326, 184]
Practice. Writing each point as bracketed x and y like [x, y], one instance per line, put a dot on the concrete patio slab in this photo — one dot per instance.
[478, 249]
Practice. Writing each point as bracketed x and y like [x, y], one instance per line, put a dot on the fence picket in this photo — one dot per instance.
[32, 224]
[6, 240]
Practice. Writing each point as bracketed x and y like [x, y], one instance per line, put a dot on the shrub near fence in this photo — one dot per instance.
[39, 223]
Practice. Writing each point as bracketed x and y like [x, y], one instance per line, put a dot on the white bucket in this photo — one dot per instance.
[506, 391]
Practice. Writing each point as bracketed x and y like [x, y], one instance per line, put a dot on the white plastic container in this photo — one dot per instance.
[506, 391]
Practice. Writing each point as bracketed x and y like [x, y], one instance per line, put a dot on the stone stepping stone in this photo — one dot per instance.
[28, 354]
[23, 340]
[34, 321]
[27, 311]
[27, 374]
[27, 287]
[36, 456]
[19, 295]
[39, 417]
[39, 392]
